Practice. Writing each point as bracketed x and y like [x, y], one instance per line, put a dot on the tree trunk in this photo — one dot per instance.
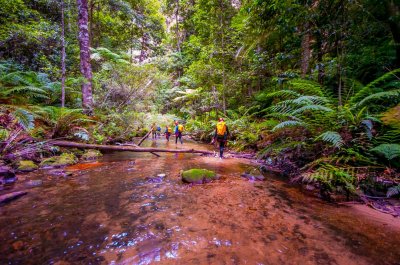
[178, 44]
[305, 52]
[223, 56]
[63, 56]
[394, 11]
[91, 24]
[126, 148]
[143, 46]
[144, 138]
[84, 45]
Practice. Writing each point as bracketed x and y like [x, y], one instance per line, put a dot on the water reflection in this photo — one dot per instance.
[122, 211]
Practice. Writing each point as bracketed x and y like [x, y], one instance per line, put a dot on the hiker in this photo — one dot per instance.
[168, 132]
[178, 132]
[158, 131]
[153, 131]
[221, 136]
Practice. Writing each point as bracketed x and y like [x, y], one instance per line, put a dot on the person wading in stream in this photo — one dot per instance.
[221, 136]
[167, 132]
[153, 131]
[178, 132]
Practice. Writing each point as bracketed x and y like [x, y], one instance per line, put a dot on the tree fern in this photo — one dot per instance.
[310, 100]
[284, 94]
[393, 95]
[24, 118]
[312, 108]
[287, 124]
[331, 137]
[306, 87]
[378, 85]
[389, 151]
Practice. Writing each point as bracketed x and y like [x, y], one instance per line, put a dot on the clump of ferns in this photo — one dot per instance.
[332, 179]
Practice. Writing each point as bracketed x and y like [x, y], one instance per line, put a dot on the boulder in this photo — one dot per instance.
[198, 176]
[7, 175]
[253, 175]
[64, 159]
[91, 154]
[26, 166]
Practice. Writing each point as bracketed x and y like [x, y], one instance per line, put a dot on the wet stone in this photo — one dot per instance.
[251, 177]
[26, 166]
[34, 183]
[18, 245]
[303, 251]
[198, 176]
[59, 173]
[157, 179]
[7, 175]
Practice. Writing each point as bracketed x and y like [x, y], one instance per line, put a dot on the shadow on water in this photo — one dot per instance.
[119, 212]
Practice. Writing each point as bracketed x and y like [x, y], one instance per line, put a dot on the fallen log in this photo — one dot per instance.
[126, 148]
[12, 196]
[144, 138]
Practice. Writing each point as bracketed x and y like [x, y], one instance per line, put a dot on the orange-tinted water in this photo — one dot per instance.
[117, 213]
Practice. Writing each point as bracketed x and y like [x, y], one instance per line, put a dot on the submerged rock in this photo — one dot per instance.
[253, 175]
[26, 166]
[64, 159]
[7, 175]
[198, 176]
[34, 183]
[91, 155]
[59, 173]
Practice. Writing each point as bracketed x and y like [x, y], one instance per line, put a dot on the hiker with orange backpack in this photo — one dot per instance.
[168, 132]
[178, 132]
[221, 136]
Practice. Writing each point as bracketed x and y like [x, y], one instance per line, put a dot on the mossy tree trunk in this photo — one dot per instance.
[85, 67]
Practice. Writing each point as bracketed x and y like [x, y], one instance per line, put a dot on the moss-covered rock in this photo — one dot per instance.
[26, 166]
[198, 176]
[64, 159]
[91, 155]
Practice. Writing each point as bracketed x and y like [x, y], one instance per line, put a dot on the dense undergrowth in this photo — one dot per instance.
[310, 87]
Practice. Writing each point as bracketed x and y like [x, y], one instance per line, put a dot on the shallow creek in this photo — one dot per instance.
[113, 212]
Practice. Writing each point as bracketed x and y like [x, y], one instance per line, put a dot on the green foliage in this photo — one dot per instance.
[389, 151]
[331, 137]
[64, 122]
[332, 178]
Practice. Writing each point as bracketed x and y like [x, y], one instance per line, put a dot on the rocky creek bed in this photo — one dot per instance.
[131, 208]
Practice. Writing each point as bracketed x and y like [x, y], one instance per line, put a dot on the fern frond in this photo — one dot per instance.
[287, 124]
[312, 108]
[393, 95]
[389, 151]
[24, 118]
[306, 87]
[284, 93]
[331, 137]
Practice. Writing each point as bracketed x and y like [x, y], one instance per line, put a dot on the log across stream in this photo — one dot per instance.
[127, 148]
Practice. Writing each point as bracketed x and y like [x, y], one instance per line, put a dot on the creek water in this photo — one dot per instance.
[114, 212]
